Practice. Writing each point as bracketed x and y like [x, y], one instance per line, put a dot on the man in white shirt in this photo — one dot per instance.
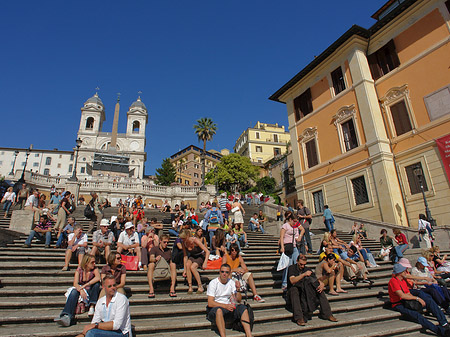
[102, 240]
[77, 243]
[223, 302]
[32, 204]
[112, 313]
[129, 242]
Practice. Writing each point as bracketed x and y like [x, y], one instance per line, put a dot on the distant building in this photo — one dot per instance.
[364, 117]
[188, 164]
[262, 142]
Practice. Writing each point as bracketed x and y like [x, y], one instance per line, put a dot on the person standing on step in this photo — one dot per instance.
[99, 204]
[304, 214]
[404, 302]
[22, 195]
[214, 219]
[32, 204]
[9, 199]
[224, 302]
[223, 202]
[63, 212]
[158, 253]
[328, 218]
[112, 313]
[306, 292]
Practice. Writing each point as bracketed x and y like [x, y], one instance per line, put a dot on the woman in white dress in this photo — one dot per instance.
[238, 212]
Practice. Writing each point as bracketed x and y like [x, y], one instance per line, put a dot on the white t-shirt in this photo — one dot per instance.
[78, 241]
[32, 201]
[11, 196]
[221, 292]
[128, 240]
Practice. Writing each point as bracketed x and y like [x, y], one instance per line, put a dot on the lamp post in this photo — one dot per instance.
[14, 163]
[217, 181]
[74, 171]
[22, 178]
[419, 174]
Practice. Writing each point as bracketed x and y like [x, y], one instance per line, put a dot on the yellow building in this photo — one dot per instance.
[188, 164]
[365, 114]
[262, 142]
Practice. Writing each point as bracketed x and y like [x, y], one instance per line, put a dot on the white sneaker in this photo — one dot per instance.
[241, 253]
[91, 311]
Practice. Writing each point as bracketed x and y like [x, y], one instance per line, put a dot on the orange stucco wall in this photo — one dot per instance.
[320, 93]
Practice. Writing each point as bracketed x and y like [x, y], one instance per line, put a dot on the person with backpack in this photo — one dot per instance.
[214, 219]
[224, 303]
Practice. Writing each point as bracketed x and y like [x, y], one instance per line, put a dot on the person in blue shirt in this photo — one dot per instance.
[66, 231]
[328, 218]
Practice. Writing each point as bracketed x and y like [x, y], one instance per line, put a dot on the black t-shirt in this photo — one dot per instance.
[294, 270]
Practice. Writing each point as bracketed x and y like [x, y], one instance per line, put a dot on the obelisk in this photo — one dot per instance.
[112, 146]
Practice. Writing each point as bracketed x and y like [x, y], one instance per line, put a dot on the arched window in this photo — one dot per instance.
[136, 126]
[90, 123]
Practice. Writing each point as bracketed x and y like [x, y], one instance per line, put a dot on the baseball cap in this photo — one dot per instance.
[398, 268]
[422, 261]
[129, 225]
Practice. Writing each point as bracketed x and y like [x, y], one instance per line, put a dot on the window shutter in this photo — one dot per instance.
[308, 101]
[311, 153]
[374, 67]
[393, 54]
[400, 118]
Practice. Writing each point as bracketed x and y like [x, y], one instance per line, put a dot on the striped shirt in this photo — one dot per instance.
[222, 203]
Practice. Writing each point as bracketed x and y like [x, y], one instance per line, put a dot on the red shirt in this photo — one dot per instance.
[394, 285]
[401, 239]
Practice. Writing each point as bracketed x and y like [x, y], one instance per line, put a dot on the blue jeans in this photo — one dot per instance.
[72, 300]
[399, 250]
[251, 227]
[308, 240]
[329, 224]
[242, 240]
[39, 236]
[61, 238]
[249, 201]
[105, 333]
[292, 260]
[229, 244]
[431, 305]
[173, 232]
[7, 206]
[418, 318]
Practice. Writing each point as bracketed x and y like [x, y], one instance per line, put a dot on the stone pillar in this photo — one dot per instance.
[21, 221]
[388, 190]
[202, 196]
[112, 147]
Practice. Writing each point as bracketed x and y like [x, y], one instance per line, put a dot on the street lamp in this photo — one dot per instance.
[14, 163]
[22, 178]
[217, 181]
[417, 170]
[74, 171]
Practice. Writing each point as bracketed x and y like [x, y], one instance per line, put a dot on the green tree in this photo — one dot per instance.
[233, 172]
[205, 129]
[266, 185]
[166, 174]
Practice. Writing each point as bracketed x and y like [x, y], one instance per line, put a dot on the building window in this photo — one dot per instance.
[46, 172]
[338, 80]
[259, 160]
[400, 118]
[71, 156]
[89, 123]
[195, 183]
[82, 170]
[70, 167]
[384, 60]
[360, 190]
[275, 138]
[48, 161]
[413, 180]
[23, 164]
[257, 135]
[195, 175]
[186, 182]
[276, 151]
[35, 164]
[318, 201]
[349, 135]
[36, 155]
[60, 156]
[447, 3]
[311, 153]
[59, 165]
[258, 148]
[303, 105]
[136, 126]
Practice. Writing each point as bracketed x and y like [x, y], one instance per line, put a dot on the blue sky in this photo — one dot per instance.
[190, 59]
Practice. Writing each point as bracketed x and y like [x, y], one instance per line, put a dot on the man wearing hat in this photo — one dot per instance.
[399, 293]
[129, 242]
[102, 240]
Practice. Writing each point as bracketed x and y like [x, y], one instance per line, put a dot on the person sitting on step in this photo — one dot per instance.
[224, 302]
[161, 251]
[354, 257]
[68, 229]
[42, 230]
[115, 268]
[148, 241]
[78, 242]
[102, 240]
[239, 269]
[85, 285]
[128, 242]
[329, 271]
[112, 313]
[304, 286]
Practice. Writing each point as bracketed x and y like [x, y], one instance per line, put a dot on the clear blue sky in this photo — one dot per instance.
[191, 59]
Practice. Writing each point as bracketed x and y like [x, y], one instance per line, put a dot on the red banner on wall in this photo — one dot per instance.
[443, 145]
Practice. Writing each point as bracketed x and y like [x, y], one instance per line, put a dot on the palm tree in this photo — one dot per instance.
[205, 129]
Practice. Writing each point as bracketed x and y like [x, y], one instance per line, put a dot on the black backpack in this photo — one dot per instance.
[89, 211]
[237, 325]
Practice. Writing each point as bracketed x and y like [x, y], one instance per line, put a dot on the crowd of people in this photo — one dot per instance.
[217, 231]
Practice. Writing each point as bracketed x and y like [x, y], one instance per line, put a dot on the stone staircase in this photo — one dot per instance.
[34, 288]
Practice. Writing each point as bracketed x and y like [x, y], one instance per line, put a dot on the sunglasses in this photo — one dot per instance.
[165, 241]
[118, 257]
[112, 285]
[224, 272]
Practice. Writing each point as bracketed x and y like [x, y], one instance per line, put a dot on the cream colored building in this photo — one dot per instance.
[262, 142]
[188, 164]
[365, 113]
